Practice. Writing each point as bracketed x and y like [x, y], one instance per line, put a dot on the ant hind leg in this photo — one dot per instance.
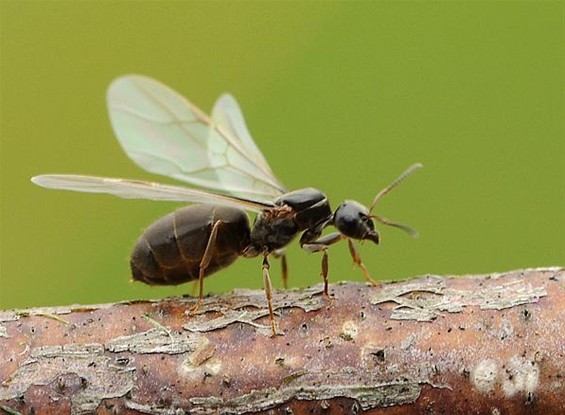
[206, 259]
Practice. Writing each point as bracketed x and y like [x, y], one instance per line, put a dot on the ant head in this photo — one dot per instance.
[353, 219]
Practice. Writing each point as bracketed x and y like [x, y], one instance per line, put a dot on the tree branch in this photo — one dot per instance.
[491, 344]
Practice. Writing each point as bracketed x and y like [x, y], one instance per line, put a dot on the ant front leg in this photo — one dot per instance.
[321, 244]
[357, 260]
[204, 262]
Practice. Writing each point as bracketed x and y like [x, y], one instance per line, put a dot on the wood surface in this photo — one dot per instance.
[479, 344]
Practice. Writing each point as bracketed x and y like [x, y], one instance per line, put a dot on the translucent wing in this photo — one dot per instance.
[227, 114]
[136, 189]
[164, 133]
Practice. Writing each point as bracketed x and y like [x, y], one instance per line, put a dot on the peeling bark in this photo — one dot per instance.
[491, 344]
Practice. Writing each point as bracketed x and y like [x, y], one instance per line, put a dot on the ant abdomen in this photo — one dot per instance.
[171, 250]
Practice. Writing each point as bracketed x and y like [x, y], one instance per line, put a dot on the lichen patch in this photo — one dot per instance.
[349, 330]
[518, 375]
[484, 375]
[521, 375]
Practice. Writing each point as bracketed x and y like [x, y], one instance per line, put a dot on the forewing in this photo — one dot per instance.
[228, 115]
[136, 189]
[164, 133]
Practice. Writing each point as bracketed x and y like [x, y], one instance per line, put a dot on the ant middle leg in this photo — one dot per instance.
[280, 253]
[268, 292]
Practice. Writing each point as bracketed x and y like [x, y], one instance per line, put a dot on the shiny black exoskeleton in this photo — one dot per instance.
[353, 220]
[171, 250]
[196, 241]
[294, 212]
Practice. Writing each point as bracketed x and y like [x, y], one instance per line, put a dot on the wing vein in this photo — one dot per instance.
[202, 117]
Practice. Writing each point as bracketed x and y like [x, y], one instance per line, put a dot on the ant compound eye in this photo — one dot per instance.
[368, 222]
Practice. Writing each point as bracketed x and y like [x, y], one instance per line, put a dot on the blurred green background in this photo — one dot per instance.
[340, 96]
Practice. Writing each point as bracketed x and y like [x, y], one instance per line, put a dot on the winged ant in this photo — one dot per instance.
[164, 133]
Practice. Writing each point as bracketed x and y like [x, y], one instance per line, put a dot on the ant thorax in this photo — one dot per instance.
[273, 229]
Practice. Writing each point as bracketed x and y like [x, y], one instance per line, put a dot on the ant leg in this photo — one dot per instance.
[206, 258]
[280, 253]
[357, 260]
[325, 268]
[268, 291]
[193, 288]
[284, 266]
[322, 244]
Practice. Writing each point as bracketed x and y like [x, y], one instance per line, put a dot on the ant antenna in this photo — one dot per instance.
[387, 189]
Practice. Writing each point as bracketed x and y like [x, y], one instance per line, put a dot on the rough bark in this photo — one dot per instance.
[490, 344]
